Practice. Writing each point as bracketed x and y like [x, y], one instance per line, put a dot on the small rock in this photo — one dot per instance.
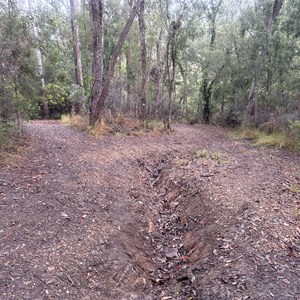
[171, 253]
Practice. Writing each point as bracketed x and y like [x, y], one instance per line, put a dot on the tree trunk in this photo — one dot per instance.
[129, 81]
[206, 86]
[171, 55]
[97, 28]
[158, 77]
[185, 92]
[76, 50]
[251, 107]
[98, 103]
[143, 61]
[40, 69]
[171, 79]
[206, 93]
[76, 42]
[130, 74]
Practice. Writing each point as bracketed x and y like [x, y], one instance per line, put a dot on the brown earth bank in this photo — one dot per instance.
[190, 215]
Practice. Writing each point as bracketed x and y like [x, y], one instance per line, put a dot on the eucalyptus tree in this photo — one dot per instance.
[39, 62]
[142, 28]
[252, 97]
[19, 81]
[76, 42]
[97, 104]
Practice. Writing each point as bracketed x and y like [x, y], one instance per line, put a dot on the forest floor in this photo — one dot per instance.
[189, 215]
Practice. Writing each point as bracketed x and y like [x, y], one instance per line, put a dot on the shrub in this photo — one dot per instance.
[282, 138]
[277, 140]
[6, 131]
[294, 136]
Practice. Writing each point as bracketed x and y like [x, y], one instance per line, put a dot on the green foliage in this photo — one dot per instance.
[77, 97]
[154, 125]
[6, 131]
[65, 119]
[295, 188]
[285, 138]
[213, 155]
[277, 140]
[55, 94]
[294, 136]
[202, 153]
[217, 46]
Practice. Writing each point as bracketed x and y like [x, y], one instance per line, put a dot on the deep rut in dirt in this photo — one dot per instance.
[202, 249]
[191, 215]
[184, 229]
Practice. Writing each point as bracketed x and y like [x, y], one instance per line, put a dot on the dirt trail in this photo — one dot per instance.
[148, 218]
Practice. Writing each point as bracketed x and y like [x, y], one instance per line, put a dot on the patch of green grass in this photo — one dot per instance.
[219, 156]
[277, 140]
[65, 119]
[280, 139]
[294, 136]
[6, 133]
[246, 133]
[76, 121]
[202, 153]
[294, 188]
[214, 155]
[154, 125]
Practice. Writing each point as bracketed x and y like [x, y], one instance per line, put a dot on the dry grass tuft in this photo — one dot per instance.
[279, 140]
[76, 121]
[213, 155]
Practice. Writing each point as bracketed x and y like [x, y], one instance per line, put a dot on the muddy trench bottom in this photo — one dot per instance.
[181, 235]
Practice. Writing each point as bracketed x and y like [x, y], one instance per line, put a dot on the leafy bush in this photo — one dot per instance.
[5, 133]
[282, 138]
[277, 140]
[154, 125]
[294, 136]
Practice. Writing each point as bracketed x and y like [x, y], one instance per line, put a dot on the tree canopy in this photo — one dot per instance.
[214, 61]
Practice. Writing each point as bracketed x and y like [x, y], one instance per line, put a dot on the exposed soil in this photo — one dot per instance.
[190, 215]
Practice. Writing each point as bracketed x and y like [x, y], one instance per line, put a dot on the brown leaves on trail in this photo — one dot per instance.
[189, 215]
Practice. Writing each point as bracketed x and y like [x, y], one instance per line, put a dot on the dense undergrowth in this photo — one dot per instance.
[287, 138]
[11, 141]
[119, 125]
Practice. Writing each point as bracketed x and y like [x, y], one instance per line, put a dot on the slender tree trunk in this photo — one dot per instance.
[76, 42]
[98, 103]
[185, 92]
[129, 80]
[18, 105]
[206, 86]
[206, 93]
[130, 76]
[158, 77]
[171, 78]
[171, 68]
[76, 50]
[97, 28]
[251, 108]
[40, 68]
[143, 61]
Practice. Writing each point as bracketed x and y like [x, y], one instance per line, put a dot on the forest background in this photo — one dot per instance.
[223, 62]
